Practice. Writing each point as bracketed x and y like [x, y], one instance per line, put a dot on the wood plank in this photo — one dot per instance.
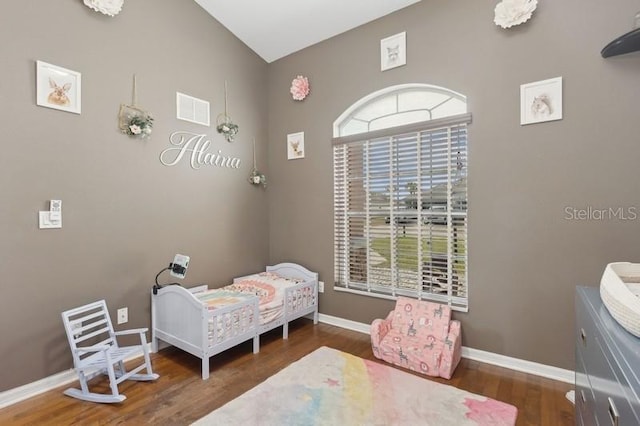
[180, 397]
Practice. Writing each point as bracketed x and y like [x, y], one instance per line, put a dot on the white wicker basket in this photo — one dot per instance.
[620, 292]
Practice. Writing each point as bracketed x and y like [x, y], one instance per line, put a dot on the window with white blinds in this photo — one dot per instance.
[400, 211]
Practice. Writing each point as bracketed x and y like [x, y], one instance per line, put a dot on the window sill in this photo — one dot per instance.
[390, 297]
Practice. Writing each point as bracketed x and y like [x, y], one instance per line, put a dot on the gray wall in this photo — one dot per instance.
[525, 257]
[125, 215]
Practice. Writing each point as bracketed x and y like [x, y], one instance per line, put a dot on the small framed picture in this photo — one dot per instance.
[58, 88]
[295, 146]
[541, 101]
[393, 51]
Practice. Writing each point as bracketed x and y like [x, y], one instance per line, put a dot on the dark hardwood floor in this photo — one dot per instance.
[180, 397]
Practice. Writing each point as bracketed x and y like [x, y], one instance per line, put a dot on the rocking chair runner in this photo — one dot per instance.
[95, 351]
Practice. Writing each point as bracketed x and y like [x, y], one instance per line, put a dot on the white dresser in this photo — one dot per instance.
[607, 366]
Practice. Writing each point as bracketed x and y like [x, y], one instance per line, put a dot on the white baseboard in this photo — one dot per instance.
[32, 389]
[516, 364]
[542, 370]
[29, 390]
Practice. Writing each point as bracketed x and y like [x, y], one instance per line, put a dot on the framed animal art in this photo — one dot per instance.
[58, 88]
[295, 146]
[393, 51]
[541, 101]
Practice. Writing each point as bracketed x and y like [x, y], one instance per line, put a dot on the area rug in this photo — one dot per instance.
[329, 387]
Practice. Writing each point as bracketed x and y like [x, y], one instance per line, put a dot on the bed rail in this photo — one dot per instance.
[182, 320]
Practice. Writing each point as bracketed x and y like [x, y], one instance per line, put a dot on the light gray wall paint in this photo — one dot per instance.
[525, 257]
[125, 215]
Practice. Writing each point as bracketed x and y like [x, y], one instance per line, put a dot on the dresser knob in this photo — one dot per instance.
[583, 336]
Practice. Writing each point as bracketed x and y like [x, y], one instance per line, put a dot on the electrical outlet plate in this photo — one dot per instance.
[123, 315]
[321, 286]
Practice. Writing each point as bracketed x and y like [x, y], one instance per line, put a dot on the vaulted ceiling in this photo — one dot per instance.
[274, 29]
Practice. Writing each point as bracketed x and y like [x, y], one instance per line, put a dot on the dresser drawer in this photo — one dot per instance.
[585, 401]
[587, 334]
[607, 366]
[613, 397]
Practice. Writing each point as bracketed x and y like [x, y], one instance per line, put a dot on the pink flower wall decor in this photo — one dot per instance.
[299, 88]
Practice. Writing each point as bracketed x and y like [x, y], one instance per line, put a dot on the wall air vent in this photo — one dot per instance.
[192, 109]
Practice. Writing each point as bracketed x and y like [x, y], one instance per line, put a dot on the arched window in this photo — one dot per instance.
[398, 105]
[400, 195]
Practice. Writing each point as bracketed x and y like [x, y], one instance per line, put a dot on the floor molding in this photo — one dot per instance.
[29, 390]
[32, 389]
[542, 370]
[15, 395]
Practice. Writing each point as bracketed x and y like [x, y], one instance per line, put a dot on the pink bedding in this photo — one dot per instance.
[270, 288]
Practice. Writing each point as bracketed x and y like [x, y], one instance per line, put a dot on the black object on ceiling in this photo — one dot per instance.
[627, 43]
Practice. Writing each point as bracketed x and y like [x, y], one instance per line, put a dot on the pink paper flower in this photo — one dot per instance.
[299, 88]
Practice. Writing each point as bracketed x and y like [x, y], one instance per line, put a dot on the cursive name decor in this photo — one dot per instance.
[196, 148]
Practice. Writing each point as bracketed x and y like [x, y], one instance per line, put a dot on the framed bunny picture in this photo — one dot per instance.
[541, 101]
[58, 88]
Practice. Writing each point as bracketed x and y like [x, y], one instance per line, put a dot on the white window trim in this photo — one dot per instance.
[372, 97]
[456, 302]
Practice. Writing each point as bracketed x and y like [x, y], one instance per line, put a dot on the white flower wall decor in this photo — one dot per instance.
[108, 7]
[509, 13]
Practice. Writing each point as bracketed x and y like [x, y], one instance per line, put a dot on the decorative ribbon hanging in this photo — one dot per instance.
[134, 95]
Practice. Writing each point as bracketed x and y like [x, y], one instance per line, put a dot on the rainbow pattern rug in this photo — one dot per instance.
[329, 387]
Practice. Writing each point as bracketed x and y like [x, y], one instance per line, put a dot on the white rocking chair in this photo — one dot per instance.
[96, 351]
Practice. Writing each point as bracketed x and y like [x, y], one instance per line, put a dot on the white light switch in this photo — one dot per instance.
[45, 221]
[52, 218]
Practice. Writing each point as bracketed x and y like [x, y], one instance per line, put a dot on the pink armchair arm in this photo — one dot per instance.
[452, 350]
[379, 329]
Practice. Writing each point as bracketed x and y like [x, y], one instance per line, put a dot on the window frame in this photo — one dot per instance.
[342, 250]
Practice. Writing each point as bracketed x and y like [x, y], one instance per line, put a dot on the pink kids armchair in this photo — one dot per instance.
[420, 336]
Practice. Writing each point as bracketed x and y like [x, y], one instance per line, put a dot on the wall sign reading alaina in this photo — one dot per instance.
[195, 147]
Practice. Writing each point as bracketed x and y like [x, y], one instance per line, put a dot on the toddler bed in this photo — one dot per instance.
[205, 322]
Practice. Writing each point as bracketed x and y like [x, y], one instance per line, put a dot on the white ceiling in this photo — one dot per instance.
[276, 28]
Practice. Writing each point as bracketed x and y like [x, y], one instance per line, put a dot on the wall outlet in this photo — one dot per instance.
[320, 286]
[123, 315]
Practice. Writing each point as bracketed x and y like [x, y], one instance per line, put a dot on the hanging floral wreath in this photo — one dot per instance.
[227, 128]
[257, 178]
[299, 88]
[135, 122]
[140, 126]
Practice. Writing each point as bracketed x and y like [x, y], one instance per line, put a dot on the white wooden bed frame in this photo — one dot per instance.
[180, 319]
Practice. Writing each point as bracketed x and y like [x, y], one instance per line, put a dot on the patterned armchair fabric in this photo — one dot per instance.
[420, 336]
